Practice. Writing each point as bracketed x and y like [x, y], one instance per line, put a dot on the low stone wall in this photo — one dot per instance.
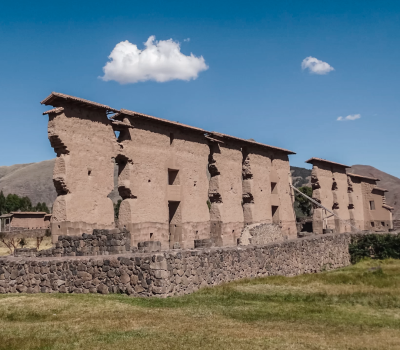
[173, 272]
[260, 234]
[100, 242]
[34, 233]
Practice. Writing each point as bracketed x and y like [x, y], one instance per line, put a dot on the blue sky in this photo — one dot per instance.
[254, 86]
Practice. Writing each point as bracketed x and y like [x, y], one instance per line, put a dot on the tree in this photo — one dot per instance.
[42, 207]
[303, 205]
[116, 208]
[2, 203]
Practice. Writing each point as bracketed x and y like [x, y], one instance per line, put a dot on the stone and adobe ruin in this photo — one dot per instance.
[356, 200]
[199, 208]
[180, 184]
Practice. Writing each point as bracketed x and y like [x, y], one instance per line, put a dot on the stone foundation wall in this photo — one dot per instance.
[173, 272]
[100, 242]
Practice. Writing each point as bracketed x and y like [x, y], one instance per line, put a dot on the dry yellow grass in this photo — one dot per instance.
[31, 243]
[353, 308]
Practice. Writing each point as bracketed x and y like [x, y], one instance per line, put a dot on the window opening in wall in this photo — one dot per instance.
[173, 177]
[175, 223]
[275, 214]
[372, 205]
[372, 224]
[89, 172]
[171, 138]
[382, 223]
[151, 235]
[274, 188]
[117, 133]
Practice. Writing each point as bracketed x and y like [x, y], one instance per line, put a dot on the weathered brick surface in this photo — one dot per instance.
[173, 272]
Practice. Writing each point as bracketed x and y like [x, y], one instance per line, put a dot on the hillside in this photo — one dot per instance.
[35, 181]
[300, 176]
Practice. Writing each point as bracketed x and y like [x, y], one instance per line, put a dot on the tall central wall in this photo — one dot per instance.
[149, 152]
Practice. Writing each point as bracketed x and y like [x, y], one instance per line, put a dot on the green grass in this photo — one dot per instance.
[352, 308]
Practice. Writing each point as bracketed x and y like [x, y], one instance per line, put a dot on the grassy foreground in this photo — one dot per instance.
[353, 308]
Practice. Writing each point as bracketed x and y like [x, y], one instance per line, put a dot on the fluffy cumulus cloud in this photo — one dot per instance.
[316, 66]
[159, 60]
[349, 117]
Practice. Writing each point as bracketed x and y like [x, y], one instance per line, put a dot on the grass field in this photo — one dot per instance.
[353, 308]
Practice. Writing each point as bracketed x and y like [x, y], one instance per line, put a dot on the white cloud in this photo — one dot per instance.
[349, 117]
[316, 66]
[187, 39]
[160, 61]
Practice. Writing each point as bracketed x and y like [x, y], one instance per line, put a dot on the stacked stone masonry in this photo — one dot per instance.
[100, 242]
[174, 272]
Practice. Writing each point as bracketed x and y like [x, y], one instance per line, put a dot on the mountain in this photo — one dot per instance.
[300, 176]
[35, 181]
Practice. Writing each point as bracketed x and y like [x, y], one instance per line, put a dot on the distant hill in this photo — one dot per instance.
[35, 181]
[300, 176]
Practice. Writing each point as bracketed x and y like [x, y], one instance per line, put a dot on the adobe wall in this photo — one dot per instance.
[349, 197]
[266, 179]
[174, 272]
[321, 182]
[169, 175]
[149, 151]
[83, 173]
[380, 216]
[27, 221]
[340, 199]
[287, 216]
[356, 203]
[225, 192]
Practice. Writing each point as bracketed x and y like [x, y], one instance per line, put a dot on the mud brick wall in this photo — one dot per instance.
[100, 242]
[173, 272]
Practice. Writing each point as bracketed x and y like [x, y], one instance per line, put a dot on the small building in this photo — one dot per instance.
[357, 201]
[17, 221]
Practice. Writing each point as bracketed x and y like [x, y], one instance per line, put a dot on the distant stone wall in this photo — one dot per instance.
[100, 242]
[174, 272]
[24, 233]
[396, 225]
[260, 234]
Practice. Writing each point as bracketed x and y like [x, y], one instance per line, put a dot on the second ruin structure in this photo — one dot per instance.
[358, 201]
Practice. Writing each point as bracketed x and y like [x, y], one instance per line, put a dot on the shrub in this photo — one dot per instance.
[374, 246]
